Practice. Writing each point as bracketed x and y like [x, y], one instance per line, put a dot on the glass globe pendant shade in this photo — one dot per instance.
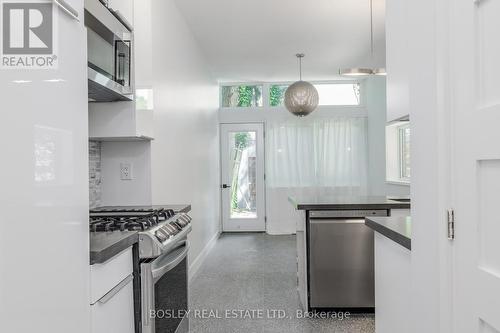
[301, 98]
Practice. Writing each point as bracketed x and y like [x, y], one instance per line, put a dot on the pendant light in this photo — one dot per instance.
[301, 98]
[365, 71]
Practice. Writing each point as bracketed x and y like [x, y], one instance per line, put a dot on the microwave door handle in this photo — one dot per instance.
[160, 271]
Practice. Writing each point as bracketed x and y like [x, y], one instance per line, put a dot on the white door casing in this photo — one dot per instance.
[475, 98]
[242, 177]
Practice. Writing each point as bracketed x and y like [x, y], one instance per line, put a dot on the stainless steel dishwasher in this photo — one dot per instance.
[341, 259]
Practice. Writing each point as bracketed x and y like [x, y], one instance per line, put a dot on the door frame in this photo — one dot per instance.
[263, 123]
[431, 120]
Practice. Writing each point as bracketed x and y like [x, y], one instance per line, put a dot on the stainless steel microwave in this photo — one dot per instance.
[109, 54]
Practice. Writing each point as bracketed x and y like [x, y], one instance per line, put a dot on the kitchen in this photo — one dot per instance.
[166, 184]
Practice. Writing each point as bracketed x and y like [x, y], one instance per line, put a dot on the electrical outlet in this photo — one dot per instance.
[126, 171]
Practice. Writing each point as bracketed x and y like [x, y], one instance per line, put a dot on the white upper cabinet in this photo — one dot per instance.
[124, 8]
[118, 121]
[398, 97]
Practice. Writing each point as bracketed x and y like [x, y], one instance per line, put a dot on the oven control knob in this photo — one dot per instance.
[176, 225]
[181, 222]
[161, 236]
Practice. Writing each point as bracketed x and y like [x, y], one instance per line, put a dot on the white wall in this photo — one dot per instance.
[377, 108]
[397, 55]
[185, 159]
[44, 242]
[117, 192]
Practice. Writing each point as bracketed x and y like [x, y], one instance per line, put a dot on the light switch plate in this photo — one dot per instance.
[126, 171]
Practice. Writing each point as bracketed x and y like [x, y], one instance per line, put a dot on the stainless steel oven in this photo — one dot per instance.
[109, 54]
[164, 288]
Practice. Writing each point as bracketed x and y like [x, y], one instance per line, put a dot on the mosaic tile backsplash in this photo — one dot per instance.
[94, 173]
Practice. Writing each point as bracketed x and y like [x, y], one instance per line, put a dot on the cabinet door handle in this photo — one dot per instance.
[115, 290]
[66, 7]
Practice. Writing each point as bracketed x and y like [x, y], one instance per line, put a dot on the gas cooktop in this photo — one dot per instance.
[159, 228]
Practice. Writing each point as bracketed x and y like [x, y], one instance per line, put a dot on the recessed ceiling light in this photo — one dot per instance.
[22, 81]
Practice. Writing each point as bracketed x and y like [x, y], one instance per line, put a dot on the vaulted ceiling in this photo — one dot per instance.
[257, 40]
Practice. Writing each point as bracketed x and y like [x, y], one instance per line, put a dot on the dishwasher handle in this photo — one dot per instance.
[338, 221]
[348, 214]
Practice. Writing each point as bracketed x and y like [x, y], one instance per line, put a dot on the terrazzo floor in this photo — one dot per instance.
[248, 284]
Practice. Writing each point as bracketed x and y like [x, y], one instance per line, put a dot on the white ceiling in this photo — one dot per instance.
[257, 40]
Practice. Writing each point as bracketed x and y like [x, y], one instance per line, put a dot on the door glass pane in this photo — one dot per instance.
[242, 169]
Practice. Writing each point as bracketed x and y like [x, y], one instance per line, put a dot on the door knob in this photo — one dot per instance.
[225, 186]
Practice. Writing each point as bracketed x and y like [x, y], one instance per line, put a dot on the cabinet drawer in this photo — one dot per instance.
[116, 314]
[105, 276]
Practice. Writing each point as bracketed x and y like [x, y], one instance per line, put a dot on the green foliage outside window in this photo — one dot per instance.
[241, 96]
[242, 139]
[277, 95]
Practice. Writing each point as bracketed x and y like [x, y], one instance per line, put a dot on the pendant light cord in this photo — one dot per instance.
[300, 56]
[300, 68]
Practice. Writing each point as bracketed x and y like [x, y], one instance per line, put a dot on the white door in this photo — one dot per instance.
[475, 90]
[242, 188]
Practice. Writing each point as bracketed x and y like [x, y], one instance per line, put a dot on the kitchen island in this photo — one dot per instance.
[335, 249]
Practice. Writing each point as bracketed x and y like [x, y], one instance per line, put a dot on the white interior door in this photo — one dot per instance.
[242, 188]
[475, 89]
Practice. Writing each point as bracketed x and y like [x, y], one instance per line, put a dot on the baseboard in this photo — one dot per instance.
[277, 232]
[194, 267]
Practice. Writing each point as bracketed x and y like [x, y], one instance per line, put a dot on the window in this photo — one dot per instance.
[241, 96]
[338, 93]
[144, 99]
[277, 94]
[404, 152]
[398, 168]
[329, 94]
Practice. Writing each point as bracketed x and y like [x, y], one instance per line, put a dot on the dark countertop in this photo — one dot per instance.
[105, 245]
[397, 229]
[326, 202]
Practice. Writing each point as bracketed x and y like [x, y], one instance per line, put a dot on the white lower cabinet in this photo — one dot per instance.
[112, 295]
[392, 286]
[116, 314]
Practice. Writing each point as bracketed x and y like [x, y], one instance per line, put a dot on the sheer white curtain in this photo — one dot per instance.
[318, 153]
[314, 157]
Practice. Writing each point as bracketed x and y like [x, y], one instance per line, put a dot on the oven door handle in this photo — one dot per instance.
[160, 271]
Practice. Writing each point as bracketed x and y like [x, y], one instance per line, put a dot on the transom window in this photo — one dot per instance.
[330, 94]
[241, 96]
